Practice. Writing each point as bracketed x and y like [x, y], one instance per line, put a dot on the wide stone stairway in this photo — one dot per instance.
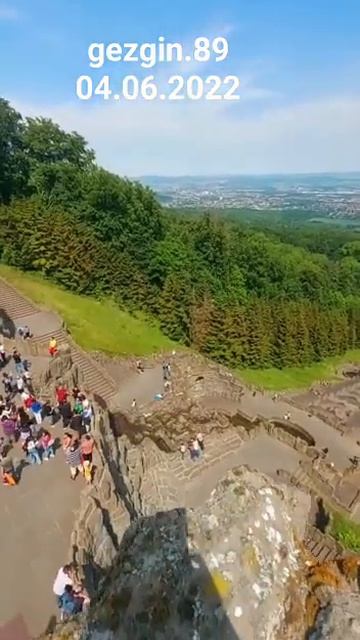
[44, 325]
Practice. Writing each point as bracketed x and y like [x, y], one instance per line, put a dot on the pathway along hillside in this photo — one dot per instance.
[44, 325]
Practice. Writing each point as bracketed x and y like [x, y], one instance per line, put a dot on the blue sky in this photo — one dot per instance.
[298, 62]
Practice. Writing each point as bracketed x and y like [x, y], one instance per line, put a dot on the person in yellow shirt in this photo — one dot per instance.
[53, 347]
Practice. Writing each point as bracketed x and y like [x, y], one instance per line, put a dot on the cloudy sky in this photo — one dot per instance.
[298, 64]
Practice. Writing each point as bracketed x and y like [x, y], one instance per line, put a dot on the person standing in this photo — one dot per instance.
[66, 413]
[87, 448]
[18, 362]
[36, 409]
[62, 394]
[20, 384]
[200, 439]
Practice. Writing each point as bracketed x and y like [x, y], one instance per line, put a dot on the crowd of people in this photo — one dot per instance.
[27, 422]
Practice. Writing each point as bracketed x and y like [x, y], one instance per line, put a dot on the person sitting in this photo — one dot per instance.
[62, 580]
[8, 473]
[47, 442]
[31, 450]
[53, 347]
[71, 604]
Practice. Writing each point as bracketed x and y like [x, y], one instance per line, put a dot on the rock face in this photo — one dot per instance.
[202, 398]
[218, 572]
[339, 619]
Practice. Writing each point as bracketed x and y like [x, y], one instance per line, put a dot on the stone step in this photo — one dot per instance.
[17, 306]
[14, 304]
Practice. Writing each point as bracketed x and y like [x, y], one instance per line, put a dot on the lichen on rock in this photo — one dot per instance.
[218, 571]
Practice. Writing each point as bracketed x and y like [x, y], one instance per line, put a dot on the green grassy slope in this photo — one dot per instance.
[292, 378]
[102, 326]
[95, 325]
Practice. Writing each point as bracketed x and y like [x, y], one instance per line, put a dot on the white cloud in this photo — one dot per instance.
[168, 138]
[8, 13]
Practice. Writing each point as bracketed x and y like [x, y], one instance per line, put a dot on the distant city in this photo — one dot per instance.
[334, 195]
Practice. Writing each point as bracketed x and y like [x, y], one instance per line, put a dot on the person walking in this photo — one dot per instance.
[73, 458]
[53, 347]
[87, 415]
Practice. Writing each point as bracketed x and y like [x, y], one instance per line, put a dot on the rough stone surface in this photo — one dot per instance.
[219, 571]
[339, 619]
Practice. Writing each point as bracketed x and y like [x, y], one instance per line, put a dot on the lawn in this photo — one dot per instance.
[346, 532]
[103, 326]
[292, 378]
[95, 325]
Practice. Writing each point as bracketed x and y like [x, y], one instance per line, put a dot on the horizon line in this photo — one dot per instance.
[246, 175]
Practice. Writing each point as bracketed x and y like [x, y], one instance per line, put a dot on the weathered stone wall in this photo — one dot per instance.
[105, 507]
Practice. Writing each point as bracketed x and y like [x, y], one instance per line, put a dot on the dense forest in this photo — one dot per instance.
[246, 296]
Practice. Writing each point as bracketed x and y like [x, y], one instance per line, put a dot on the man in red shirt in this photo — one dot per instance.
[61, 394]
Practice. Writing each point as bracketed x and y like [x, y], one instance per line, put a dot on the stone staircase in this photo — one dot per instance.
[15, 305]
[308, 481]
[322, 547]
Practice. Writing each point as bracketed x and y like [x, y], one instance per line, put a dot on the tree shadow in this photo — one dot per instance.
[15, 629]
[164, 589]
[322, 517]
